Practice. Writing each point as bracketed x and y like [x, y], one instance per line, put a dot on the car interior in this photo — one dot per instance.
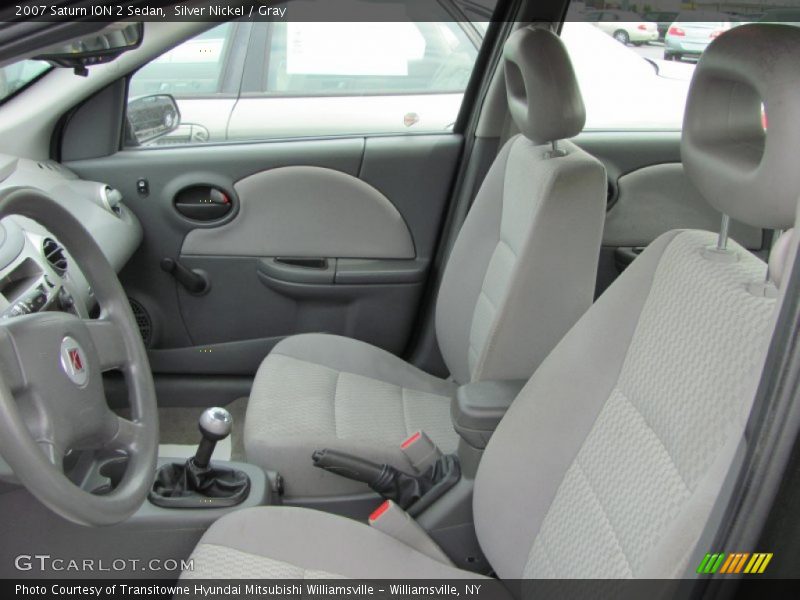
[513, 347]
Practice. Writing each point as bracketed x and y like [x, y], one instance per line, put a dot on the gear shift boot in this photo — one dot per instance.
[196, 483]
[189, 486]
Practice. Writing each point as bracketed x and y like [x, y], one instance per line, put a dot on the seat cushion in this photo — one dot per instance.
[318, 391]
[280, 542]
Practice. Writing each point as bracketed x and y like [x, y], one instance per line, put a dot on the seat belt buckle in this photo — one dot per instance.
[387, 506]
[392, 520]
[420, 451]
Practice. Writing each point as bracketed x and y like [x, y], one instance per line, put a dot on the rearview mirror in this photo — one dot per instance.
[95, 49]
[151, 117]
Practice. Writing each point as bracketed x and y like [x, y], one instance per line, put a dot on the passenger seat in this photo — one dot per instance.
[521, 273]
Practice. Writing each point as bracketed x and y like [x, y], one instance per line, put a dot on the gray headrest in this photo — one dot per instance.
[543, 95]
[742, 171]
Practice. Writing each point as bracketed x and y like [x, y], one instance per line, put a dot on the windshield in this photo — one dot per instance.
[16, 76]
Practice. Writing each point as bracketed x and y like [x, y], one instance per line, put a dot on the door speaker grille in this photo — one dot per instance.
[143, 321]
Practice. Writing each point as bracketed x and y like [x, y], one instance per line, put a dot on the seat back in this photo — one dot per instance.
[523, 267]
[611, 458]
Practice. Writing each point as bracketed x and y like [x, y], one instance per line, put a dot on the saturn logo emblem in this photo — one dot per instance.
[73, 362]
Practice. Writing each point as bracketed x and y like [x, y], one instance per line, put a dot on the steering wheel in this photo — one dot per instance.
[51, 389]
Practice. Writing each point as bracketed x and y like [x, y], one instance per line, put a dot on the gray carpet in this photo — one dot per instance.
[178, 425]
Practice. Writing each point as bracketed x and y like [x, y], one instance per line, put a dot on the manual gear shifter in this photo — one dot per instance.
[215, 425]
[196, 483]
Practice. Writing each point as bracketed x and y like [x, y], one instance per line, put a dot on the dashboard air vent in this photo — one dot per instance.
[55, 255]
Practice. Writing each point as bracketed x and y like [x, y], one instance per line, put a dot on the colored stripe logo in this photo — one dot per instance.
[732, 563]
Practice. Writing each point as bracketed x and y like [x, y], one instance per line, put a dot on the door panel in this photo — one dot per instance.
[349, 257]
[306, 211]
[246, 302]
[648, 194]
[658, 198]
[625, 151]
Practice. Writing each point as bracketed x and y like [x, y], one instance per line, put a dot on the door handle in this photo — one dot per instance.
[318, 271]
[204, 203]
[304, 263]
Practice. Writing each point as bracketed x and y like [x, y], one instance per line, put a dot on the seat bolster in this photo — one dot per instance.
[278, 540]
[466, 267]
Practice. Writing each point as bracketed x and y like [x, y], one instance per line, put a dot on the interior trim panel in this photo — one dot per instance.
[325, 235]
[307, 211]
[656, 199]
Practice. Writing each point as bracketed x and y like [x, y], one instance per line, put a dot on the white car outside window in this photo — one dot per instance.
[624, 26]
[621, 89]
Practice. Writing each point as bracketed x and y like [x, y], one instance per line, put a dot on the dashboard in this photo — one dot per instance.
[37, 273]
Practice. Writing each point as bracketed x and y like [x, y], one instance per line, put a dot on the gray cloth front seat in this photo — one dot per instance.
[521, 272]
[621, 440]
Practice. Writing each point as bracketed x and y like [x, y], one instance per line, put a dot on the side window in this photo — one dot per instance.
[302, 79]
[629, 85]
[316, 59]
[193, 68]
[360, 78]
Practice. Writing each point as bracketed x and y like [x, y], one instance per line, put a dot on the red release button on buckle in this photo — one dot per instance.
[376, 514]
[420, 451]
[414, 437]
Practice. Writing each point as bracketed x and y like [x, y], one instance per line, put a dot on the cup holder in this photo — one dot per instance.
[113, 471]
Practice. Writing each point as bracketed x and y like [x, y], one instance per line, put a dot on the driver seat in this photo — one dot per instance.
[622, 439]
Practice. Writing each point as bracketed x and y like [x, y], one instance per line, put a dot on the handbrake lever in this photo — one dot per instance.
[386, 480]
[349, 466]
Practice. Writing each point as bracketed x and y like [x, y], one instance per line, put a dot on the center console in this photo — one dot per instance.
[432, 496]
[476, 412]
